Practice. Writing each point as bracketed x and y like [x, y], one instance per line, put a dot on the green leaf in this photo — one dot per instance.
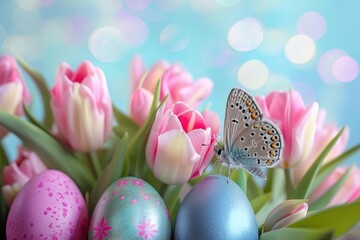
[171, 198]
[3, 160]
[253, 189]
[339, 219]
[32, 119]
[331, 165]
[239, 177]
[297, 234]
[52, 153]
[323, 200]
[308, 180]
[137, 145]
[260, 201]
[3, 208]
[125, 122]
[43, 89]
[111, 173]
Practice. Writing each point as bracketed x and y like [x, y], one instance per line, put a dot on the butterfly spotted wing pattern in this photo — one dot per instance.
[249, 141]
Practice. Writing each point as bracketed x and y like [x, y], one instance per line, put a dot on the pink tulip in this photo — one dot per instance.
[82, 106]
[176, 83]
[179, 146]
[285, 214]
[348, 192]
[19, 172]
[323, 135]
[296, 121]
[13, 91]
[141, 100]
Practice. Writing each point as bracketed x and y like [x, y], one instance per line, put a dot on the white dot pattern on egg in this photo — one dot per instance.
[130, 208]
[50, 206]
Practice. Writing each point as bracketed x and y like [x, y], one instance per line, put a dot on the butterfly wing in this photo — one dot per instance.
[249, 140]
[237, 116]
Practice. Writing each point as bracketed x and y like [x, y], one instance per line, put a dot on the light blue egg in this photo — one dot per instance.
[130, 208]
[216, 208]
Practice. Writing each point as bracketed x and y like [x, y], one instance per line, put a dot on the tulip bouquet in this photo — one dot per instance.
[94, 153]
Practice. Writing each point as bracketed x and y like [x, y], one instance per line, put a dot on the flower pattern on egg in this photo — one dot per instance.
[102, 229]
[147, 230]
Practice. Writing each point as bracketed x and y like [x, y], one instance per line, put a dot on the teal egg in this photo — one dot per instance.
[130, 208]
[215, 208]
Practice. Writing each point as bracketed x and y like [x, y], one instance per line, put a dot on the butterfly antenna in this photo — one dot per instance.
[215, 141]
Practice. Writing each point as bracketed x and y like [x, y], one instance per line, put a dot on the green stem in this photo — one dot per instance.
[289, 182]
[3, 158]
[95, 163]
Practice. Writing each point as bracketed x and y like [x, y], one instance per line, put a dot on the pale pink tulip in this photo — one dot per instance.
[348, 192]
[13, 91]
[19, 172]
[285, 214]
[176, 83]
[82, 106]
[296, 122]
[141, 100]
[179, 146]
[323, 135]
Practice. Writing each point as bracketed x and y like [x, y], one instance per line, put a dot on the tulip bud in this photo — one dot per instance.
[13, 91]
[140, 104]
[179, 145]
[82, 107]
[19, 172]
[285, 214]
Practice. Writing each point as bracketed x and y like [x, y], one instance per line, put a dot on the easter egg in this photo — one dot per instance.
[215, 208]
[49, 206]
[130, 208]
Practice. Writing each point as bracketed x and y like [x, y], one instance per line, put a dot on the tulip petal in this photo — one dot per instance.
[137, 70]
[304, 135]
[175, 157]
[85, 123]
[140, 105]
[196, 92]
[282, 213]
[10, 97]
[212, 120]
[201, 140]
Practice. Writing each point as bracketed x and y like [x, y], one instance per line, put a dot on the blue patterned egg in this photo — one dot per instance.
[130, 208]
[215, 208]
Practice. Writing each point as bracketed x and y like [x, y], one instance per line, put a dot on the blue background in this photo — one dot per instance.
[47, 32]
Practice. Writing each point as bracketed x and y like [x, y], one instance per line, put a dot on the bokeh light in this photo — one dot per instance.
[345, 69]
[228, 3]
[204, 6]
[312, 24]
[253, 74]
[325, 65]
[168, 5]
[28, 5]
[137, 5]
[108, 6]
[174, 37]
[246, 34]
[106, 44]
[300, 49]
[27, 46]
[134, 30]
[26, 21]
[274, 42]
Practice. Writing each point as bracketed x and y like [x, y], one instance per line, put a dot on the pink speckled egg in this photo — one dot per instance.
[50, 206]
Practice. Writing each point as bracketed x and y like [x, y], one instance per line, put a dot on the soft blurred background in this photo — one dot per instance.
[259, 45]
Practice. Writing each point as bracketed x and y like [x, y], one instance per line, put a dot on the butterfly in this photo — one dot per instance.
[250, 141]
